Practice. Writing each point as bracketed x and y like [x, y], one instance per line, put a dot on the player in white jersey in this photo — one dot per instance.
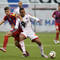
[16, 10]
[27, 30]
[20, 5]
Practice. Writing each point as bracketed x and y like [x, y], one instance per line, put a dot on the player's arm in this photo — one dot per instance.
[33, 17]
[22, 22]
[17, 23]
[53, 15]
[2, 22]
[17, 16]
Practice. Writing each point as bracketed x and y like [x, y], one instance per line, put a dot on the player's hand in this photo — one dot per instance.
[18, 16]
[21, 19]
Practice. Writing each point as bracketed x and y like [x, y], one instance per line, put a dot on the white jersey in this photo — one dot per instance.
[27, 30]
[16, 10]
[27, 19]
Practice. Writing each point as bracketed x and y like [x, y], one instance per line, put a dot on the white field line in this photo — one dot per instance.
[45, 45]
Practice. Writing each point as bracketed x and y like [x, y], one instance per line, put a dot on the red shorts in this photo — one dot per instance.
[16, 33]
[57, 26]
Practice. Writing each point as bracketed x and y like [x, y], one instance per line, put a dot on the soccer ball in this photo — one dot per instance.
[52, 54]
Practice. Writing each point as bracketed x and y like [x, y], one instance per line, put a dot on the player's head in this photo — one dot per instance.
[22, 12]
[7, 10]
[59, 6]
[20, 4]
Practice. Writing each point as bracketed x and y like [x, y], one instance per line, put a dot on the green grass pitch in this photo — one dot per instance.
[14, 53]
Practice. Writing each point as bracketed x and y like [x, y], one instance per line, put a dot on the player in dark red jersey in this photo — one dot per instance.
[56, 16]
[11, 18]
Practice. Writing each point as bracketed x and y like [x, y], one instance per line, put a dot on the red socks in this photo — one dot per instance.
[57, 35]
[5, 41]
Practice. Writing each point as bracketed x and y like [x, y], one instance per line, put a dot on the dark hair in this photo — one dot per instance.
[21, 9]
[58, 4]
[6, 8]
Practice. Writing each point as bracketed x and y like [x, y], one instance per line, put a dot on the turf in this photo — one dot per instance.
[14, 53]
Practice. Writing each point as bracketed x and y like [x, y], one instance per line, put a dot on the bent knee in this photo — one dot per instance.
[36, 39]
[9, 34]
[22, 37]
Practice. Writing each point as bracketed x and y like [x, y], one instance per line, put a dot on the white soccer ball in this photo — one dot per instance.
[52, 54]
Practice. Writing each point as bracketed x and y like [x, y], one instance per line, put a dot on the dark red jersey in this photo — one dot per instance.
[11, 19]
[56, 15]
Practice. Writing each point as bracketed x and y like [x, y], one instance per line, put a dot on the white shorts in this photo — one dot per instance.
[31, 35]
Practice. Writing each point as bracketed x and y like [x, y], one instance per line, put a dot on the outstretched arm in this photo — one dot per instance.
[2, 22]
[33, 17]
[17, 23]
[53, 15]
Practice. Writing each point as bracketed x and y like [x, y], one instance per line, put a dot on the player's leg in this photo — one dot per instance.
[19, 46]
[57, 34]
[22, 37]
[16, 40]
[8, 34]
[37, 40]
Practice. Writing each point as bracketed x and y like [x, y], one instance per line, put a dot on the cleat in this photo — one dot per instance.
[26, 55]
[3, 49]
[45, 56]
[56, 42]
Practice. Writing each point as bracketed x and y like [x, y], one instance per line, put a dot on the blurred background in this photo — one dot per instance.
[41, 9]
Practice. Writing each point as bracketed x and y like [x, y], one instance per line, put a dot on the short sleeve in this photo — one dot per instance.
[33, 17]
[5, 18]
[54, 13]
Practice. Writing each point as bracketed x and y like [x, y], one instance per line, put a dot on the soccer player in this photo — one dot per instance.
[16, 10]
[56, 16]
[20, 5]
[11, 18]
[27, 30]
